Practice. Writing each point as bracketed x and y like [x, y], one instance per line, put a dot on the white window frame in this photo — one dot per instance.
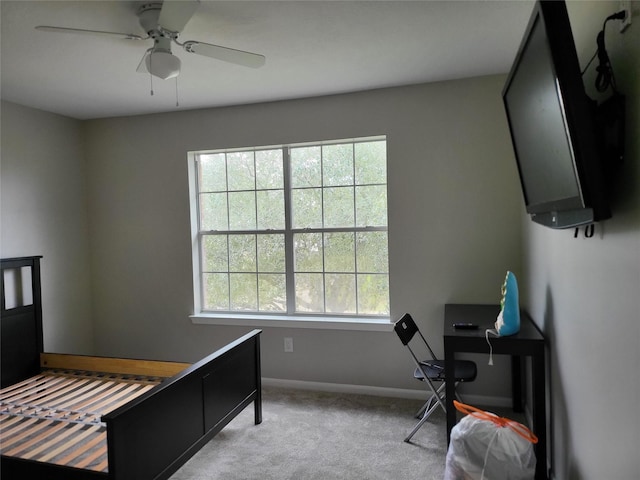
[260, 319]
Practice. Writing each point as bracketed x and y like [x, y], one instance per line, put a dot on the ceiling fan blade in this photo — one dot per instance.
[231, 55]
[126, 36]
[174, 15]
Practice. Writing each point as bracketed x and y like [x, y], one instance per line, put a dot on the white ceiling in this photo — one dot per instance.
[312, 48]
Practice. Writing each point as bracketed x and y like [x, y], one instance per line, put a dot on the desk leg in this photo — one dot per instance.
[538, 413]
[516, 383]
[450, 389]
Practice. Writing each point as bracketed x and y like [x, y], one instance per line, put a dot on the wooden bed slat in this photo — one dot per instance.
[22, 386]
[34, 452]
[73, 400]
[33, 388]
[55, 417]
[122, 395]
[6, 421]
[82, 401]
[112, 365]
[73, 457]
[15, 430]
[126, 399]
[73, 442]
[41, 431]
[103, 465]
[43, 394]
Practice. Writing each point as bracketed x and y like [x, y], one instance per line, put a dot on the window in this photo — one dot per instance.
[292, 230]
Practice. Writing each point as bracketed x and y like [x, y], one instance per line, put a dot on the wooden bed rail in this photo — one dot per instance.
[125, 366]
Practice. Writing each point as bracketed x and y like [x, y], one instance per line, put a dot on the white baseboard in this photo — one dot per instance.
[378, 391]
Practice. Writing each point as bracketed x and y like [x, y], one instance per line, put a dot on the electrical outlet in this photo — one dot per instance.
[288, 344]
[626, 7]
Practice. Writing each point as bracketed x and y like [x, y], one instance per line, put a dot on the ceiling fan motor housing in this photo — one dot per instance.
[148, 16]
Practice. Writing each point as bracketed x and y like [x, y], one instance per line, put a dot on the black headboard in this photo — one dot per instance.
[21, 340]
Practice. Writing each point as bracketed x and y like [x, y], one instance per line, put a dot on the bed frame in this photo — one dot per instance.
[151, 436]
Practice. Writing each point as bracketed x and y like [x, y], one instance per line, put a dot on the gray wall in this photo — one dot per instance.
[454, 215]
[586, 294]
[44, 212]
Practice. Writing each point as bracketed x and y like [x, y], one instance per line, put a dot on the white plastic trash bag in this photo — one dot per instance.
[485, 446]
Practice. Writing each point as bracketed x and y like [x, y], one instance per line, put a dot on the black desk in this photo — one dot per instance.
[529, 341]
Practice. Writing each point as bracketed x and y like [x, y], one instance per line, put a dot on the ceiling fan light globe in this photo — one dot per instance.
[163, 65]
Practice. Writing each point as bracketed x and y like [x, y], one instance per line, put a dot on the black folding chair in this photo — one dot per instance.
[429, 369]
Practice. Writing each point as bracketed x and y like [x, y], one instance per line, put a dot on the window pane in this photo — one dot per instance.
[213, 211]
[371, 162]
[271, 256]
[240, 171]
[243, 291]
[272, 292]
[213, 173]
[306, 208]
[242, 210]
[269, 169]
[215, 257]
[337, 165]
[215, 291]
[339, 252]
[307, 252]
[372, 252]
[338, 207]
[270, 209]
[371, 206]
[341, 293]
[373, 294]
[242, 253]
[309, 292]
[305, 167]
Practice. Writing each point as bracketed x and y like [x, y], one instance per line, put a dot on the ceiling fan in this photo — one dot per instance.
[163, 22]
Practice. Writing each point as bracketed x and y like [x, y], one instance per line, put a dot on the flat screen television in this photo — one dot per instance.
[553, 125]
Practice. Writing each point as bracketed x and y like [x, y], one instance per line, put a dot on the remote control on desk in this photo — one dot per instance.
[465, 326]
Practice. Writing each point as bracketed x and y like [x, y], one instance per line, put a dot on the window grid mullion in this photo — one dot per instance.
[228, 271]
[322, 187]
[288, 234]
[226, 181]
[355, 223]
[255, 235]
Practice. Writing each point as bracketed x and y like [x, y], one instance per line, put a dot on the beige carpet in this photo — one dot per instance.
[316, 435]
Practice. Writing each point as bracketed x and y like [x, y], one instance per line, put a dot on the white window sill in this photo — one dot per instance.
[323, 323]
